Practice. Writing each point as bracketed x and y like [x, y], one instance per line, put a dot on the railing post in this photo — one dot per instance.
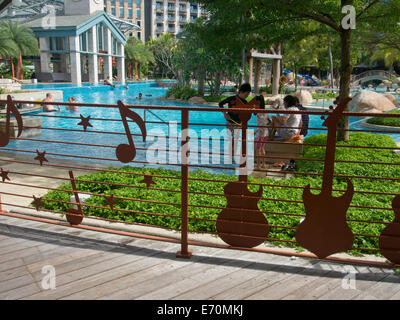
[184, 252]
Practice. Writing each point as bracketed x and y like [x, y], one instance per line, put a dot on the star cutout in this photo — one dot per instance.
[148, 180]
[37, 202]
[110, 201]
[41, 157]
[85, 122]
[4, 175]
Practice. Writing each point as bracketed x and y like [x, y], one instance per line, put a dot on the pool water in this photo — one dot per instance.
[106, 95]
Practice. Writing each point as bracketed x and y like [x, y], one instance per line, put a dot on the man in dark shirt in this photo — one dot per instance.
[233, 120]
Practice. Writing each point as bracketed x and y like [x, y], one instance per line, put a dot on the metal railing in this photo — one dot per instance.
[207, 202]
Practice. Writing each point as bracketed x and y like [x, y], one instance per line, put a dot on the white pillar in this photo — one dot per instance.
[93, 58]
[276, 71]
[108, 59]
[75, 60]
[44, 44]
[121, 63]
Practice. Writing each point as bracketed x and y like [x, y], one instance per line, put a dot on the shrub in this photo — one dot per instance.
[180, 91]
[390, 122]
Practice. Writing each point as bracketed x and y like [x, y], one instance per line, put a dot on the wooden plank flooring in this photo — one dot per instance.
[91, 265]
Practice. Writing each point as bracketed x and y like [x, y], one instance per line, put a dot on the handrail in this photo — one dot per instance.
[187, 196]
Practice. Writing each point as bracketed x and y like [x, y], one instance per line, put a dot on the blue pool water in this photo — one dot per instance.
[106, 95]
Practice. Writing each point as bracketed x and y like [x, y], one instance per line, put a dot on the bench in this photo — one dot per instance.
[286, 150]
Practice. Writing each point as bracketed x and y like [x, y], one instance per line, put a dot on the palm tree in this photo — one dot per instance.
[387, 54]
[137, 54]
[20, 41]
[7, 46]
[386, 47]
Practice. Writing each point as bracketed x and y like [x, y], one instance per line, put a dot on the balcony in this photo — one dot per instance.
[171, 19]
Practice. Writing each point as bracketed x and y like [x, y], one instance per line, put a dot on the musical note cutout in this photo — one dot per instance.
[127, 152]
[241, 223]
[324, 231]
[389, 240]
[75, 216]
[11, 109]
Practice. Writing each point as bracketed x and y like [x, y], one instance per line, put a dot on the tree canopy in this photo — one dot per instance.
[260, 23]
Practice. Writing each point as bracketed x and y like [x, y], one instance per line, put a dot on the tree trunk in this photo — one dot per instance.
[217, 83]
[345, 76]
[200, 84]
[331, 61]
[20, 71]
[295, 78]
[12, 67]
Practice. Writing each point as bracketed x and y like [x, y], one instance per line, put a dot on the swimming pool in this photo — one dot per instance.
[106, 95]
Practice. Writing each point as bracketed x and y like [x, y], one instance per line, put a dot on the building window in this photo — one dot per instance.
[129, 2]
[139, 35]
[137, 14]
[121, 12]
[138, 22]
[131, 34]
[130, 13]
[121, 3]
[113, 11]
[137, 3]
[113, 2]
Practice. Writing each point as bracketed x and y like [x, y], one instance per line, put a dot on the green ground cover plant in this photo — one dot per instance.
[368, 192]
[390, 122]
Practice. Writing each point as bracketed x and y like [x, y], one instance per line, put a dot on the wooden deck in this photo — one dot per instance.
[91, 265]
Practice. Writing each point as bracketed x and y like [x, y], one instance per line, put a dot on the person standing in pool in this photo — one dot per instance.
[72, 108]
[49, 107]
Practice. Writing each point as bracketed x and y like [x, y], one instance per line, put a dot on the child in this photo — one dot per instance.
[263, 122]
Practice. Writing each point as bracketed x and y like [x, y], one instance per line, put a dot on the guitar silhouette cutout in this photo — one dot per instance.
[75, 216]
[11, 108]
[324, 231]
[254, 103]
[389, 240]
[127, 152]
[241, 223]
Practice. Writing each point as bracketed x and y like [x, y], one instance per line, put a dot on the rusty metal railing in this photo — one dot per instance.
[226, 199]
